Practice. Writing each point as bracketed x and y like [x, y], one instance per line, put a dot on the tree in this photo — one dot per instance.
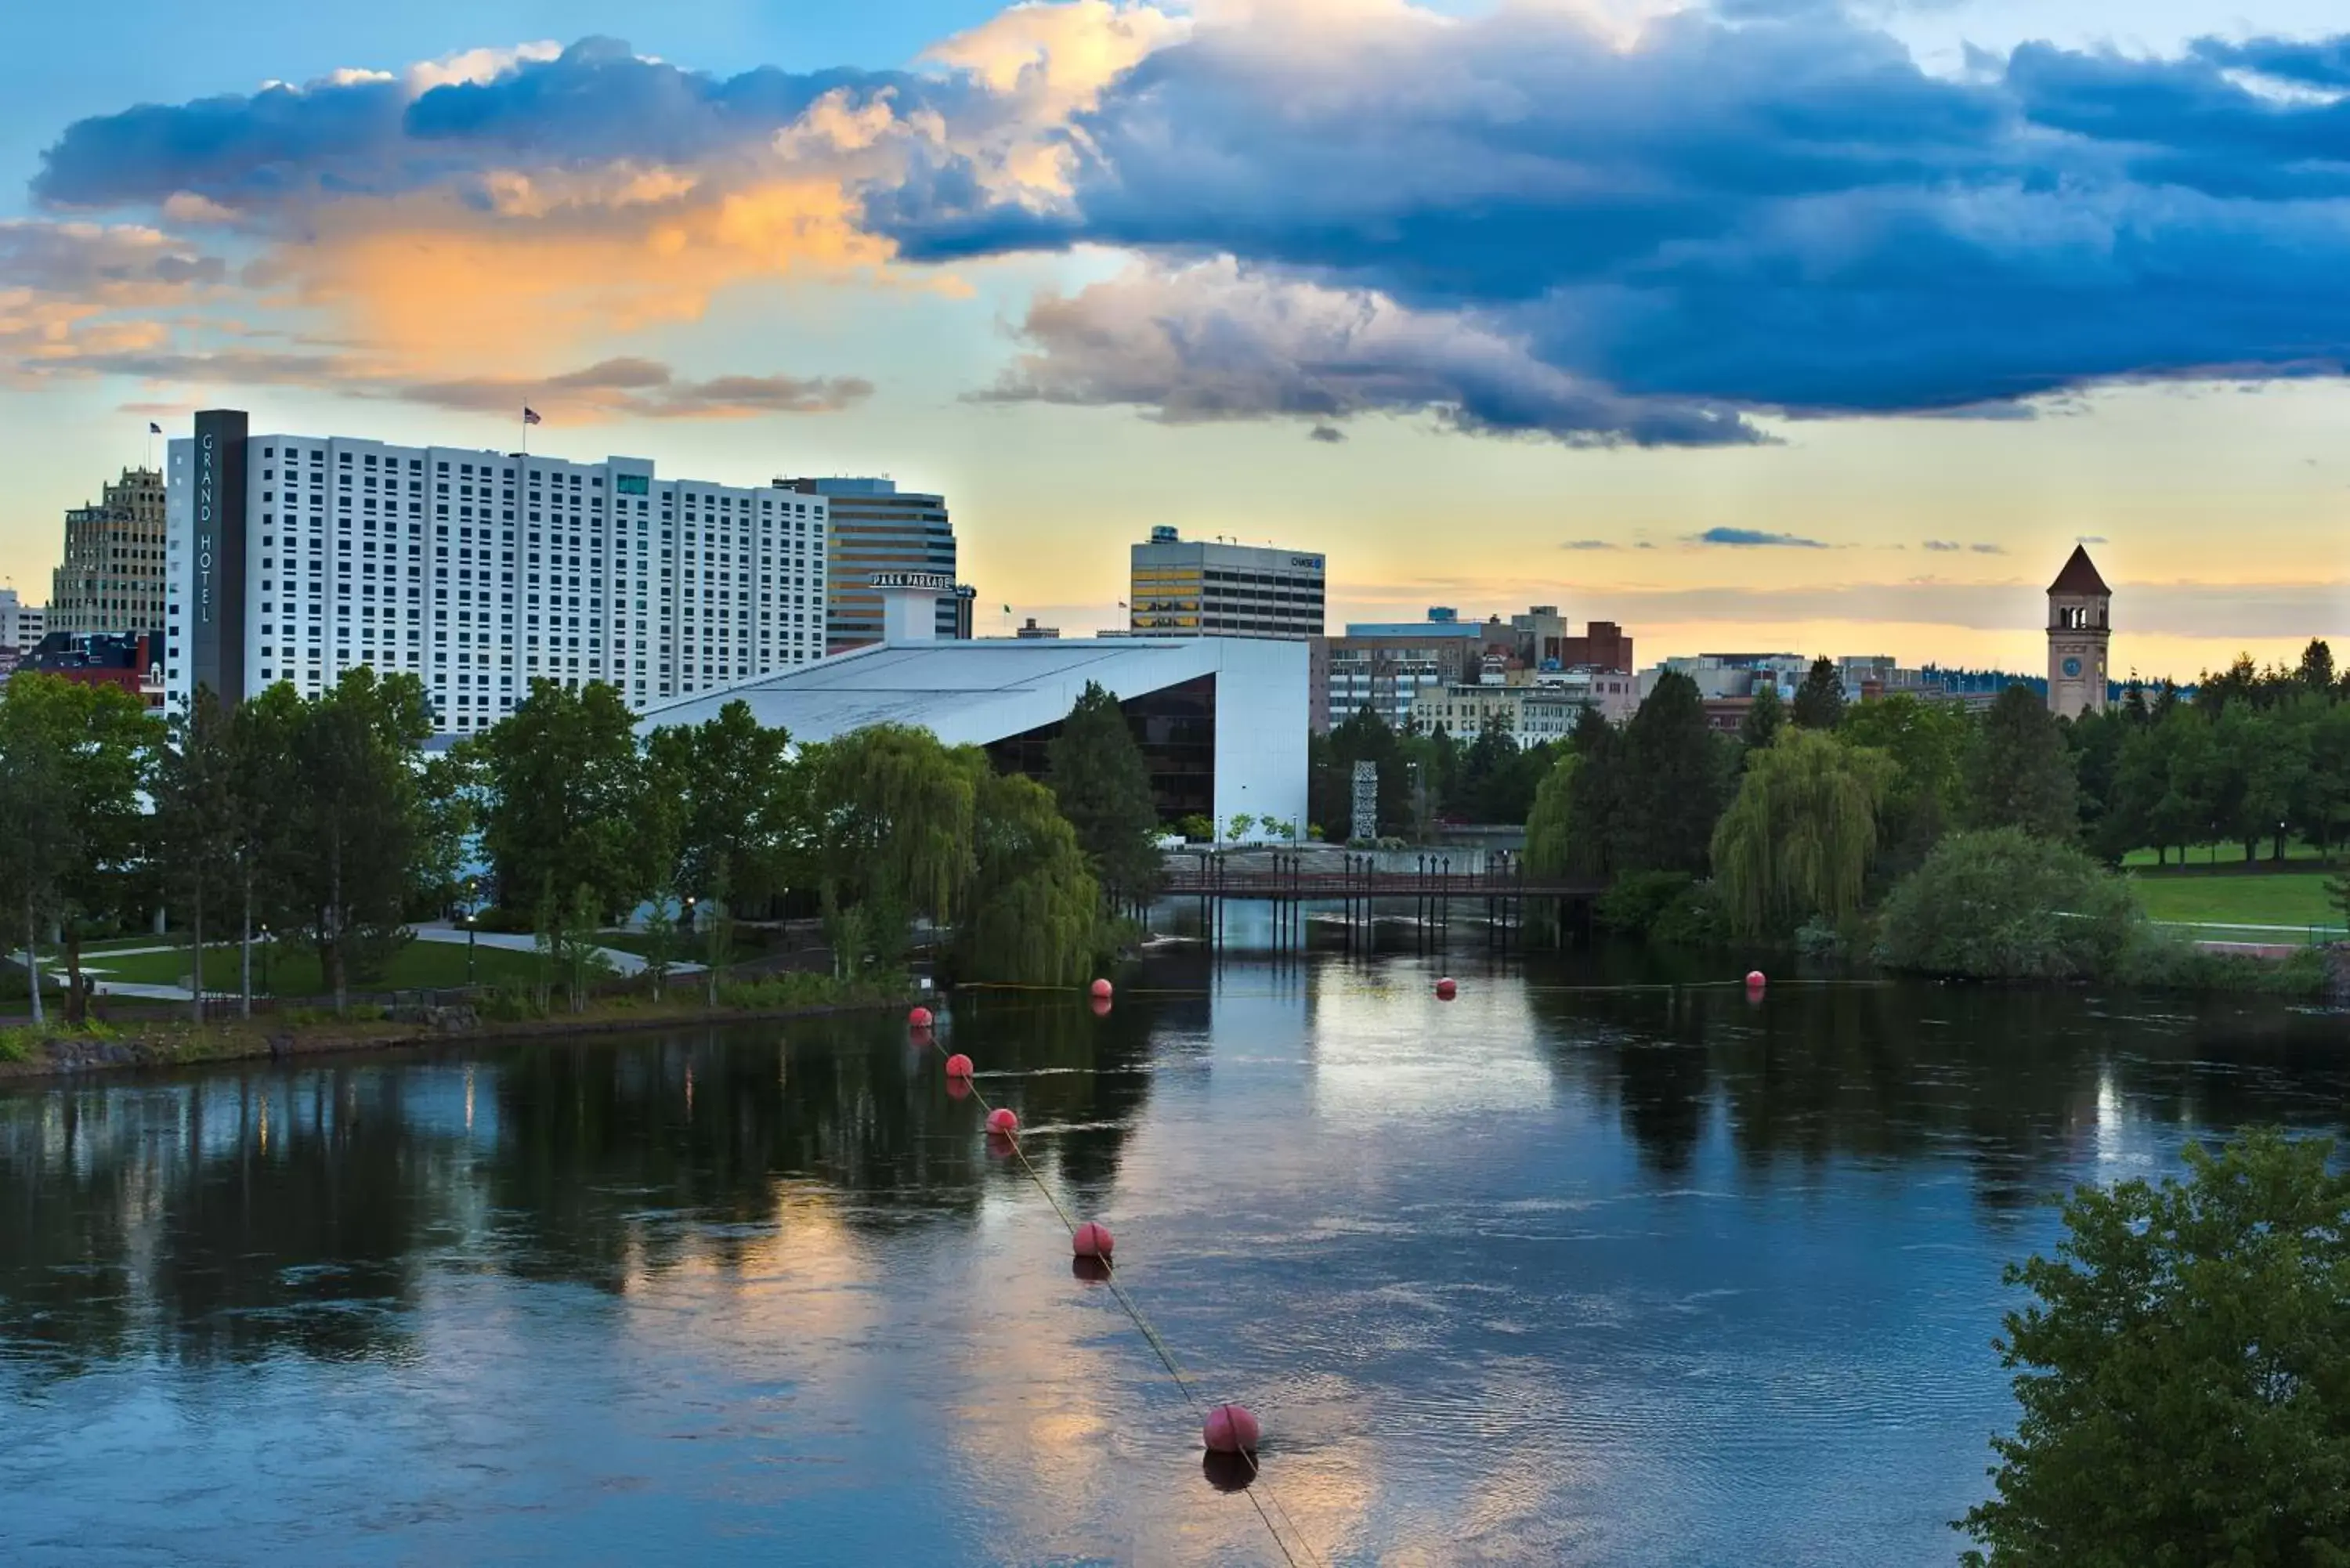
[2022, 772]
[1103, 785]
[1819, 701]
[358, 842]
[731, 791]
[1034, 917]
[1675, 767]
[192, 783]
[1597, 801]
[1550, 848]
[889, 820]
[2185, 1399]
[1929, 743]
[1797, 840]
[2003, 905]
[1365, 737]
[2316, 671]
[567, 798]
[1765, 714]
[72, 757]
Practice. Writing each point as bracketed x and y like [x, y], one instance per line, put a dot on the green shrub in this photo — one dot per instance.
[1694, 919]
[2003, 905]
[21, 1044]
[1636, 901]
[507, 1004]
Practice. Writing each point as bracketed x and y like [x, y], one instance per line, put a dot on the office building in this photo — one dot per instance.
[1527, 713]
[1221, 720]
[295, 558]
[21, 627]
[1199, 587]
[1388, 666]
[112, 577]
[877, 527]
[1032, 632]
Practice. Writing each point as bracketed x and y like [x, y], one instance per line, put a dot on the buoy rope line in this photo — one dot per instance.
[1151, 1334]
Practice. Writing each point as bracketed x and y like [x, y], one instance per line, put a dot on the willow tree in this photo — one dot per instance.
[1798, 840]
[1549, 847]
[1035, 910]
[891, 815]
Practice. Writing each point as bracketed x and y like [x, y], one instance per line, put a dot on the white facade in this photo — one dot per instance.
[21, 625]
[479, 571]
[976, 693]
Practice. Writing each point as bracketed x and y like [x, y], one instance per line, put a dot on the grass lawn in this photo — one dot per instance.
[2221, 855]
[2254, 898]
[295, 972]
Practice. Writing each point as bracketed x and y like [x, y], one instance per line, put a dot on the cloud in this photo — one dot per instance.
[1782, 213]
[1589, 545]
[1748, 538]
[1943, 545]
[1520, 221]
[2090, 539]
[1214, 341]
[642, 389]
[1988, 549]
[1951, 547]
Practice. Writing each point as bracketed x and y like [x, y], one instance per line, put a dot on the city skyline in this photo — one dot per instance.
[940, 243]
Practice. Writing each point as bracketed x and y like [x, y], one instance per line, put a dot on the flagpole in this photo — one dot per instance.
[525, 432]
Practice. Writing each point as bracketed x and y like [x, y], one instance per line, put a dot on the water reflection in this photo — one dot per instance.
[1594, 1263]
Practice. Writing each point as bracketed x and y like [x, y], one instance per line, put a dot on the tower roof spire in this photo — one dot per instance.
[2079, 575]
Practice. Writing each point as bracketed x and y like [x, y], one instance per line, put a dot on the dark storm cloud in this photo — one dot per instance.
[1775, 212]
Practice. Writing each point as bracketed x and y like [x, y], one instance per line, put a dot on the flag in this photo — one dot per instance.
[530, 415]
[1121, 604]
[154, 428]
[1007, 609]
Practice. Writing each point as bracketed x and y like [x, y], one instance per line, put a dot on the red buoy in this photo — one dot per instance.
[919, 1018]
[1230, 1429]
[1092, 1240]
[1002, 1120]
[1102, 989]
[1446, 990]
[958, 1066]
[1755, 980]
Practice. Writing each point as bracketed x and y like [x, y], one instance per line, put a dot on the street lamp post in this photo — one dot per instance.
[265, 945]
[472, 926]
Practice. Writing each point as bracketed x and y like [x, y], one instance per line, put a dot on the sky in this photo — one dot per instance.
[1758, 325]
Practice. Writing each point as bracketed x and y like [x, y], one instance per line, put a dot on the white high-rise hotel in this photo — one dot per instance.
[295, 557]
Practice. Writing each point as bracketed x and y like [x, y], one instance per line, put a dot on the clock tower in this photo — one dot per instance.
[2079, 606]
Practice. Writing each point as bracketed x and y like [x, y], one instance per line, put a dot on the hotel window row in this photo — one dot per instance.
[479, 572]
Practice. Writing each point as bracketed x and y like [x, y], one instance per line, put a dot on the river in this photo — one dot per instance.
[1582, 1267]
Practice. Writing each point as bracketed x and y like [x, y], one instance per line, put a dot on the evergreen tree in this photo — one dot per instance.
[2023, 771]
[1675, 767]
[1103, 786]
[1797, 838]
[2316, 672]
[1764, 716]
[1596, 800]
[568, 801]
[1819, 701]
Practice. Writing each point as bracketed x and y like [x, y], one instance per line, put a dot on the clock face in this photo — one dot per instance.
[2072, 667]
